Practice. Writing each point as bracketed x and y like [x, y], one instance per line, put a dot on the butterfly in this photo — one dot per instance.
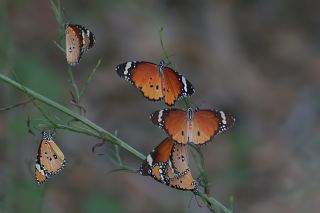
[78, 41]
[156, 81]
[168, 164]
[197, 126]
[50, 159]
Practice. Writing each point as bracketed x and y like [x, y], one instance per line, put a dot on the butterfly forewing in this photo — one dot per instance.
[51, 157]
[174, 122]
[160, 155]
[205, 126]
[74, 44]
[147, 78]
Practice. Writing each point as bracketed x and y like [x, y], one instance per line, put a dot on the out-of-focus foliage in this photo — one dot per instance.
[256, 59]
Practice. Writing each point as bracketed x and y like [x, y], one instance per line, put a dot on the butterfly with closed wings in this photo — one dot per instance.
[168, 164]
[78, 41]
[156, 81]
[50, 159]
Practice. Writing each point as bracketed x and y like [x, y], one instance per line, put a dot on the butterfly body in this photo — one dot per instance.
[196, 126]
[50, 159]
[168, 164]
[156, 81]
[78, 41]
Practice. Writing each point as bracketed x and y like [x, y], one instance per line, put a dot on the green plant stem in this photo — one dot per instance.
[74, 86]
[89, 78]
[198, 156]
[212, 204]
[99, 132]
[16, 105]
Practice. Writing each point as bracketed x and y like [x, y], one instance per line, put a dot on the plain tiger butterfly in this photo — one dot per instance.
[156, 81]
[78, 41]
[197, 126]
[168, 164]
[50, 159]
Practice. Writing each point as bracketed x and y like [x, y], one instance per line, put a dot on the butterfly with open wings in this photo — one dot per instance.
[197, 126]
[156, 81]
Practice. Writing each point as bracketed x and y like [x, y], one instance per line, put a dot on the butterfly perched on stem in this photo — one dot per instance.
[50, 159]
[78, 41]
[156, 81]
[168, 164]
[197, 126]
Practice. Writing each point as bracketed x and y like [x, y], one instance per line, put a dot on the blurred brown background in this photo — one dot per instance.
[259, 60]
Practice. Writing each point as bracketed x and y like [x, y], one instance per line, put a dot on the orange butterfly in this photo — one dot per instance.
[50, 159]
[156, 82]
[168, 164]
[78, 41]
[198, 126]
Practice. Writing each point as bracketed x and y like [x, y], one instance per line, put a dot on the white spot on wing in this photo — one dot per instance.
[160, 116]
[149, 160]
[126, 69]
[39, 169]
[223, 116]
[184, 81]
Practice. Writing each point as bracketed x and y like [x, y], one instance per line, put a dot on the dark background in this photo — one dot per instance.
[256, 59]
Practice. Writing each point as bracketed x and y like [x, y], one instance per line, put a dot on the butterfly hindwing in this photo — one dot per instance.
[156, 81]
[168, 164]
[40, 173]
[175, 86]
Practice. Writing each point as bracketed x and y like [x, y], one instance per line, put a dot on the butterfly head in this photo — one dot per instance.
[161, 66]
[190, 113]
[47, 135]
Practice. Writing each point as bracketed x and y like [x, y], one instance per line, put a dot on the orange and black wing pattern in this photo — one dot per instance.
[50, 159]
[174, 122]
[175, 86]
[168, 164]
[78, 41]
[208, 123]
[198, 127]
[155, 81]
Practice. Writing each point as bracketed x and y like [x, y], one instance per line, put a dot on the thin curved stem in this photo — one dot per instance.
[99, 132]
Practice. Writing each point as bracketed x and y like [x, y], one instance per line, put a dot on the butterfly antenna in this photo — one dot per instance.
[67, 19]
